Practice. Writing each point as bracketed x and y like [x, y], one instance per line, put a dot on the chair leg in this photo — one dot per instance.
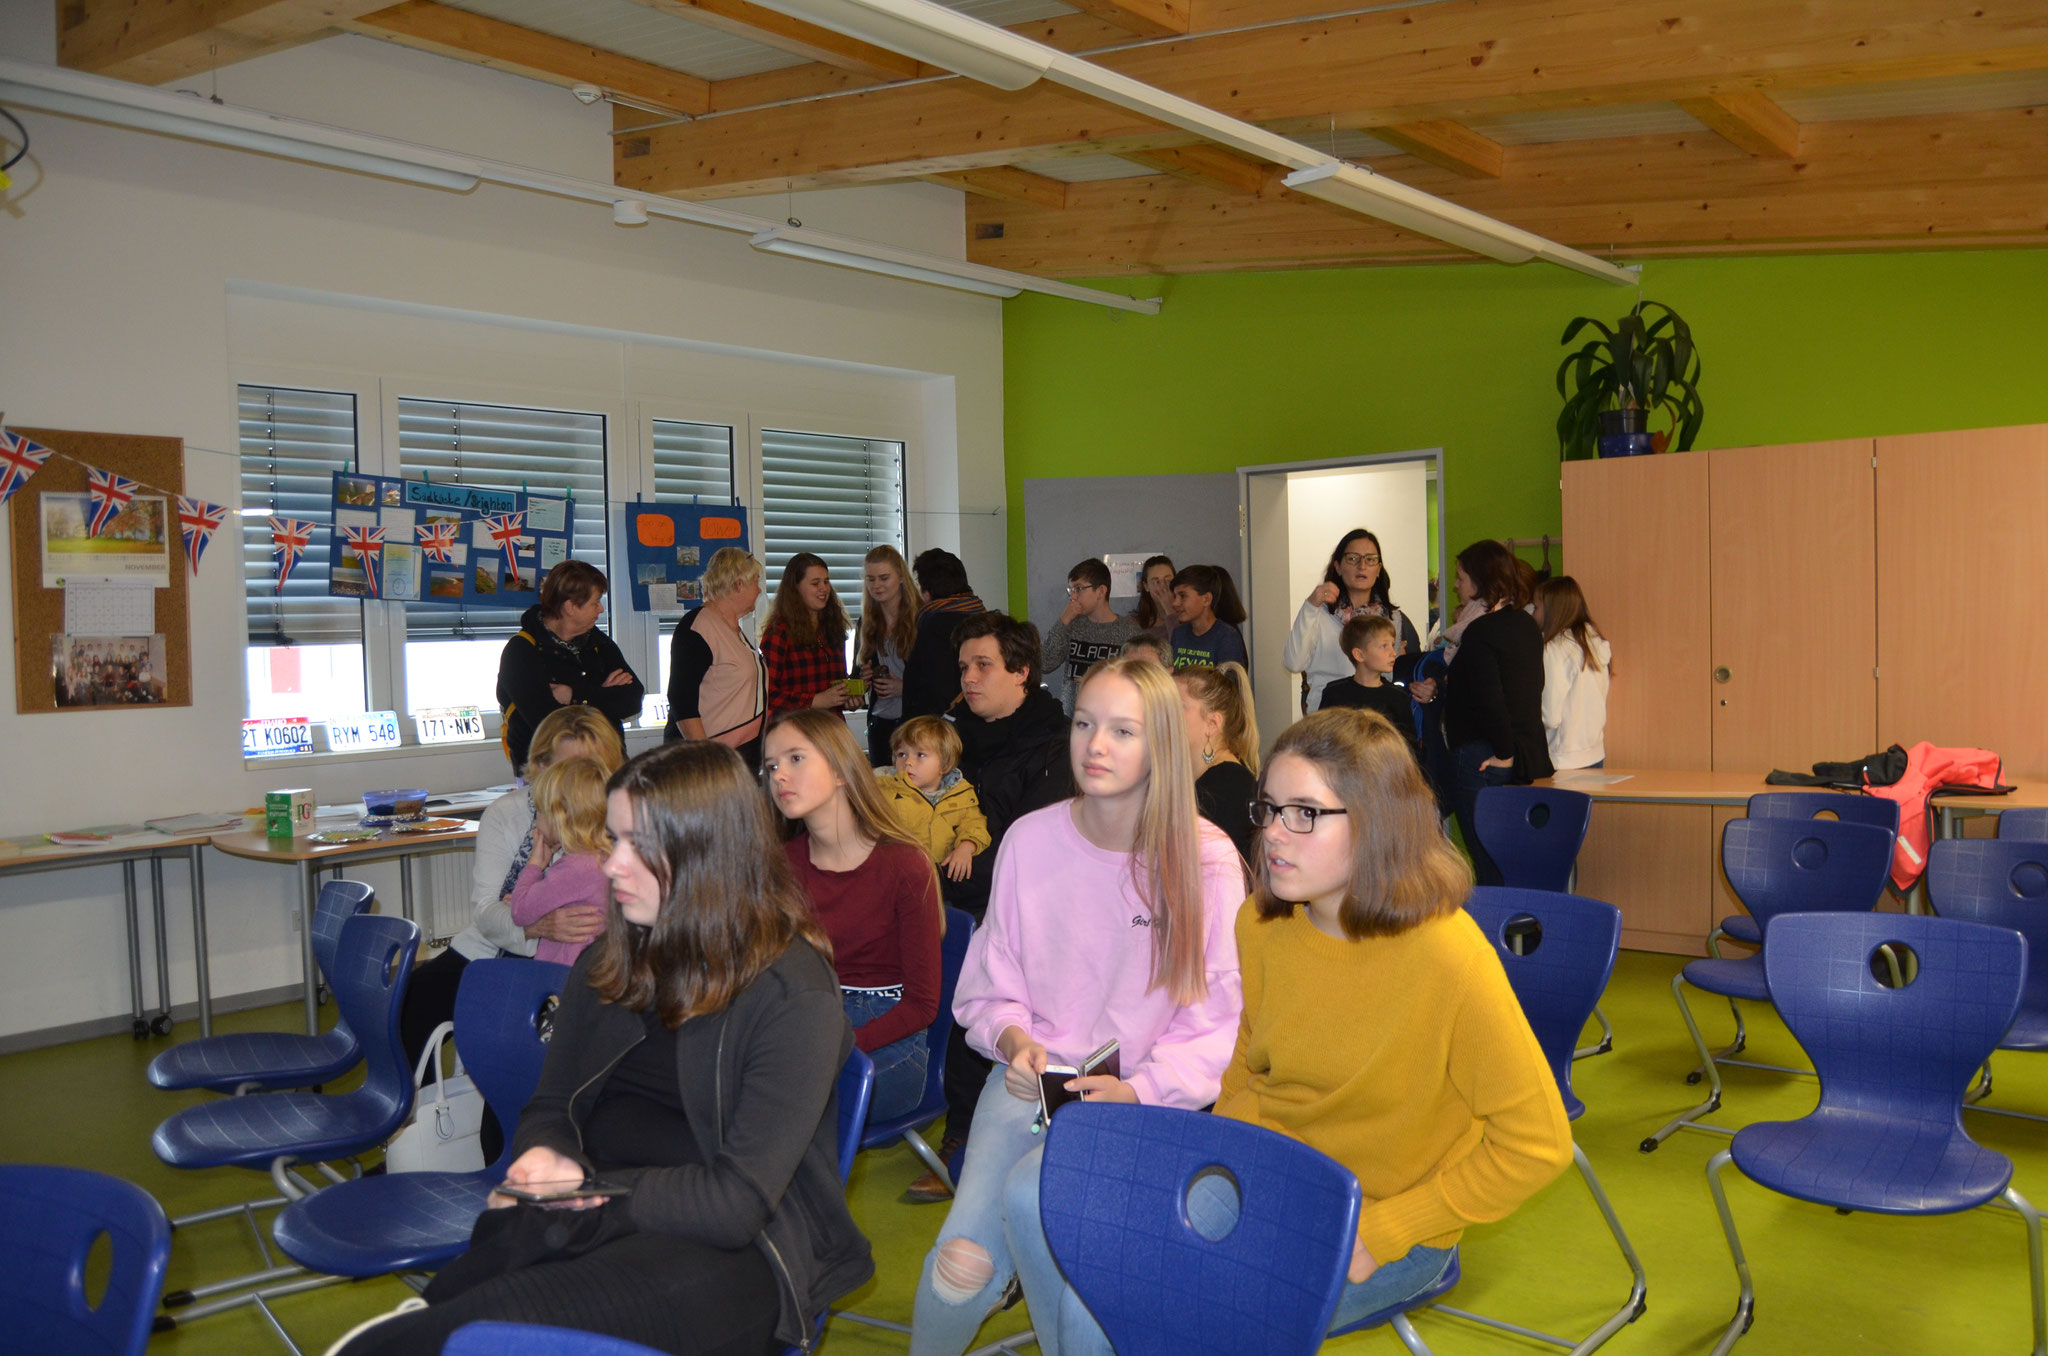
[1606, 1038]
[1983, 1088]
[1745, 1303]
[1688, 1119]
[928, 1156]
[2035, 1279]
[1410, 1338]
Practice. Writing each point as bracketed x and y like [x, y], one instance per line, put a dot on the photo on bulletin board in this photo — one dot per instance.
[134, 545]
[108, 670]
[668, 546]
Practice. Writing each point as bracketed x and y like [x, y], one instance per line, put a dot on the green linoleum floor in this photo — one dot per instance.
[1825, 1283]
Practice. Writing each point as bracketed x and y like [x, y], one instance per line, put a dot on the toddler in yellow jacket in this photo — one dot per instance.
[930, 797]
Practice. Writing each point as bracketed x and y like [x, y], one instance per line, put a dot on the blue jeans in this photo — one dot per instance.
[1469, 779]
[899, 1066]
[995, 1205]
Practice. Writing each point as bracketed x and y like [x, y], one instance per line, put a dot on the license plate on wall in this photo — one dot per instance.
[373, 730]
[449, 725]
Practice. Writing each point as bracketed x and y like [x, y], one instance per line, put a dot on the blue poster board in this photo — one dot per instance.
[668, 546]
[453, 544]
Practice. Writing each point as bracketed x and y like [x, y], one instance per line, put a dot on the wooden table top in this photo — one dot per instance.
[1735, 788]
[262, 847]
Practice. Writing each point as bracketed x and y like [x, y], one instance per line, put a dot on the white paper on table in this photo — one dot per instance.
[1586, 776]
[1127, 572]
[110, 609]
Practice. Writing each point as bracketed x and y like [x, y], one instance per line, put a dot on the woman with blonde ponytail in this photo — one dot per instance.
[1109, 918]
[1223, 735]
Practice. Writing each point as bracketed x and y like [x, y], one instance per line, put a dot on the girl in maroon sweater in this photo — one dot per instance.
[872, 889]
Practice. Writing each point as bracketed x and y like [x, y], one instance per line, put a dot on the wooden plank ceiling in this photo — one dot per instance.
[1647, 129]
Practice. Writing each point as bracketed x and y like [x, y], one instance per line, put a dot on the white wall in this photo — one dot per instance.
[140, 276]
[1391, 502]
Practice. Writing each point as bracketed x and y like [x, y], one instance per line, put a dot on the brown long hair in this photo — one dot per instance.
[1228, 692]
[1148, 615]
[1166, 858]
[1564, 613]
[901, 633]
[1404, 872]
[730, 906]
[1215, 581]
[805, 627]
[1491, 567]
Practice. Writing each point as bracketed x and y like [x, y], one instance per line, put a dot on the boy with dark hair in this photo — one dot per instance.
[1089, 629]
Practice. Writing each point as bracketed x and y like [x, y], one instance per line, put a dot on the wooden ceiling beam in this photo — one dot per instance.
[1143, 18]
[1447, 145]
[154, 41]
[1212, 165]
[1452, 60]
[1008, 185]
[1943, 182]
[428, 26]
[1748, 120]
[794, 36]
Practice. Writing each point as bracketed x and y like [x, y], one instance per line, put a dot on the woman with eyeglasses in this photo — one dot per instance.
[1354, 584]
[1432, 1091]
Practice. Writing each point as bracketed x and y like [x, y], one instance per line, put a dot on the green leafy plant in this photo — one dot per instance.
[1646, 362]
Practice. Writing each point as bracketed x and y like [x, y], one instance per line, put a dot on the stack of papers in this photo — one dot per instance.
[179, 825]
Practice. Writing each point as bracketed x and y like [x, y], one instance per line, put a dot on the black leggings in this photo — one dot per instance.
[686, 1298]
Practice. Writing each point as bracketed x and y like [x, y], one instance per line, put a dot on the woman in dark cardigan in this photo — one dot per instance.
[694, 1062]
[1493, 693]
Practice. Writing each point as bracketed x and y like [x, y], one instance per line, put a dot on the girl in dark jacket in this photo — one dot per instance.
[694, 1063]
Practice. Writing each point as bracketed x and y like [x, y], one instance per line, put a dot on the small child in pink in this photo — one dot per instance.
[568, 817]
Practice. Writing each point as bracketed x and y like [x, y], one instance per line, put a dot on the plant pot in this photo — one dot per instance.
[1626, 444]
[1632, 420]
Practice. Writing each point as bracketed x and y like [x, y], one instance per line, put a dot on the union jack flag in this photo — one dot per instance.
[198, 520]
[20, 458]
[369, 546]
[110, 494]
[505, 529]
[288, 537]
[438, 540]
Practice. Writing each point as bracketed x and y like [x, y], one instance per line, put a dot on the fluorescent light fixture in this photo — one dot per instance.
[933, 34]
[870, 257]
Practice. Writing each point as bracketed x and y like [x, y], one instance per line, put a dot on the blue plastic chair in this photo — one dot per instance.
[1887, 1137]
[50, 1219]
[263, 1060]
[2028, 824]
[1777, 866]
[1112, 1198]
[856, 1086]
[1558, 972]
[536, 1339]
[2003, 882]
[1533, 834]
[1844, 805]
[420, 1221]
[272, 1130]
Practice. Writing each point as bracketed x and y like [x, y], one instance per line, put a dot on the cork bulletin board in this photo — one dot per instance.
[39, 611]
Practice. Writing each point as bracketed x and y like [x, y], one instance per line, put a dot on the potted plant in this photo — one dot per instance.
[1646, 362]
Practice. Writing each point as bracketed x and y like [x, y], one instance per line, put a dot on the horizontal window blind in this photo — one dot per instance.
[692, 461]
[500, 447]
[292, 442]
[834, 497]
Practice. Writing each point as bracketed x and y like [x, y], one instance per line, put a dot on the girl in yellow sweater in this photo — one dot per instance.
[1433, 1090]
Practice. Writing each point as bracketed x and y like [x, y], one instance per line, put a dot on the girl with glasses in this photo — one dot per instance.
[1355, 583]
[1432, 1091]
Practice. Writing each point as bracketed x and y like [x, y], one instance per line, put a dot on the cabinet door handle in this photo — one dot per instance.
[1721, 674]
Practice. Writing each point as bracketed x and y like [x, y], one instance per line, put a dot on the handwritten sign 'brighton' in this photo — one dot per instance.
[467, 497]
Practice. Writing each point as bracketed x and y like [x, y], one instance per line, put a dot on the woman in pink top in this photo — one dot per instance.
[568, 818]
[1109, 917]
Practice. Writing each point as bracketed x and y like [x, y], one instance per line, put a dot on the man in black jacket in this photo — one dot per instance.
[560, 658]
[1013, 751]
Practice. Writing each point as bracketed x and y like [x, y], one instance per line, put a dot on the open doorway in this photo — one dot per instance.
[1295, 513]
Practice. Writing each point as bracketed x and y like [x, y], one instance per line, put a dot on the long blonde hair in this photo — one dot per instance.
[901, 634]
[568, 801]
[1227, 691]
[1166, 858]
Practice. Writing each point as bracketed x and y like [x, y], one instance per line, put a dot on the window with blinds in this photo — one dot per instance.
[502, 447]
[292, 443]
[692, 461]
[834, 497]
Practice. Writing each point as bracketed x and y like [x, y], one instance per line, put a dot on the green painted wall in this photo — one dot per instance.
[1243, 369]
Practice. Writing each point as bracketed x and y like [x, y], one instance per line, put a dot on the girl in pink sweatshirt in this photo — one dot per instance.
[1110, 916]
[568, 818]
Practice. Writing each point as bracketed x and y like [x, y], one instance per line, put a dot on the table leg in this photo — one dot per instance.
[161, 1023]
[307, 900]
[405, 887]
[198, 870]
[140, 1027]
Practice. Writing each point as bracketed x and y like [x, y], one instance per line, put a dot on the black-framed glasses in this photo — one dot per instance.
[1354, 560]
[1297, 818]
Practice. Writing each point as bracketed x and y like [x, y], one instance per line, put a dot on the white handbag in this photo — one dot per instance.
[446, 1118]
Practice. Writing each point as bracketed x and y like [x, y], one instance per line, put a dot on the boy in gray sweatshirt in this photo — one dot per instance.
[1088, 630]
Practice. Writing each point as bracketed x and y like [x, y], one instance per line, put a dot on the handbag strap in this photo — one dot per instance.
[432, 1055]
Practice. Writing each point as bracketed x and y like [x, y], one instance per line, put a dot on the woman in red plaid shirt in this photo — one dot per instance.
[804, 643]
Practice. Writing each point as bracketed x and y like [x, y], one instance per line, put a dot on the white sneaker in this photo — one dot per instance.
[405, 1306]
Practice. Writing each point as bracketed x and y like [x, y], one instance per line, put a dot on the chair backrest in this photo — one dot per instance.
[1112, 1196]
[1906, 1053]
[1805, 865]
[2000, 881]
[856, 1085]
[952, 956]
[1533, 833]
[1560, 971]
[536, 1339]
[50, 1218]
[2026, 823]
[500, 1034]
[1844, 805]
[372, 966]
[340, 900]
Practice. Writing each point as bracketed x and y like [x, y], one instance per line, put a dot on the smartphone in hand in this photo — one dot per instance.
[1052, 1084]
[556, 1193]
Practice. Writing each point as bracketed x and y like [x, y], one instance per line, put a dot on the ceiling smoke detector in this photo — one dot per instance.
[586, 94]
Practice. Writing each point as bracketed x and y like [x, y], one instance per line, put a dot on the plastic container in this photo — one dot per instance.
[400, 806]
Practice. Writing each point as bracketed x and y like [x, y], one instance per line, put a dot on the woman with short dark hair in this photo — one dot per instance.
[931, 676]
[1493, 702]
[560, 658]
